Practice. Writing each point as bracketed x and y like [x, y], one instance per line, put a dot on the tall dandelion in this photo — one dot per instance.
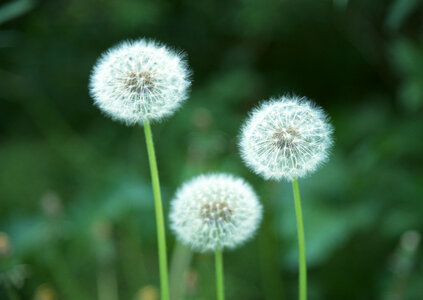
[138, 82]
[214, 212]
[287, 138]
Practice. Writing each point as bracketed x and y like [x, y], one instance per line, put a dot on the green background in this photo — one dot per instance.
[76, 206]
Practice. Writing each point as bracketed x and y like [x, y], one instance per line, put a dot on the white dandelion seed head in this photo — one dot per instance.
[216, 210]
[139, 81]
[286, 138]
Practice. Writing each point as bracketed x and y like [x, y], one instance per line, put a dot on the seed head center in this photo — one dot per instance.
[284, 137]
[216, 212]
[140, 82]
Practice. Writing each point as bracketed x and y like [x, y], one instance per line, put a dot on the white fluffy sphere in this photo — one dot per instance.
[139, 81]
[286, 138]
[216, 210]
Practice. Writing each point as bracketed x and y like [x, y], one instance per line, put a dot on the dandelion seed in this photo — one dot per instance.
[286, 138]
[138, 81]
[212, 211]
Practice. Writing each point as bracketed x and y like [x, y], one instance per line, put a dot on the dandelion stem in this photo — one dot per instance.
[219, 274]
[301, 242]
[161, 234]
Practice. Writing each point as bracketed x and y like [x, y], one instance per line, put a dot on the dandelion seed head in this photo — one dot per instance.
[286, 138]
[139, 81]
[216, 210]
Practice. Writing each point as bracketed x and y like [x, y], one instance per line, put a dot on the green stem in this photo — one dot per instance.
[219, 274]
[161, 234]
[301, 242]
[180, 262]
[107, 283]
[13, 295]
[66, 281]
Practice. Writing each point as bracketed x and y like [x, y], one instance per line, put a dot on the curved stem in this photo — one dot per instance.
[301, 242]
[161, 234]
[220, 292]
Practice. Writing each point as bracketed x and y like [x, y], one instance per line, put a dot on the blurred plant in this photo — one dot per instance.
[340, 3]
[8, 12]
[12, 273]
[398, 12]
[49, 237]
[45, 292]
[180, 262]
[107, 285]
[287, 138]
[148, 292]
[402, 264]
[214, 212]
[51, 205]
[407, 61]
[15, 9]
[5, 247]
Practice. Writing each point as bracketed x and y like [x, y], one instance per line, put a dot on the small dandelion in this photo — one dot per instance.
[138, 81]
[215, 211]
[286, 138]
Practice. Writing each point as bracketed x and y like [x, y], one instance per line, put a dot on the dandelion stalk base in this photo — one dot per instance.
[220, 290]
[161, 234]
[302, 267]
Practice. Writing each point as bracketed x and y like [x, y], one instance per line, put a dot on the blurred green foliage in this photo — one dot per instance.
[76, 208]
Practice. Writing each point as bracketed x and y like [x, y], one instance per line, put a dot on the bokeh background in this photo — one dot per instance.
[76, 206]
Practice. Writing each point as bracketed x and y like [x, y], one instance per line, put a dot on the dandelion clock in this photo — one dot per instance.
[214, 212]
[138, 82]
[285, 139]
